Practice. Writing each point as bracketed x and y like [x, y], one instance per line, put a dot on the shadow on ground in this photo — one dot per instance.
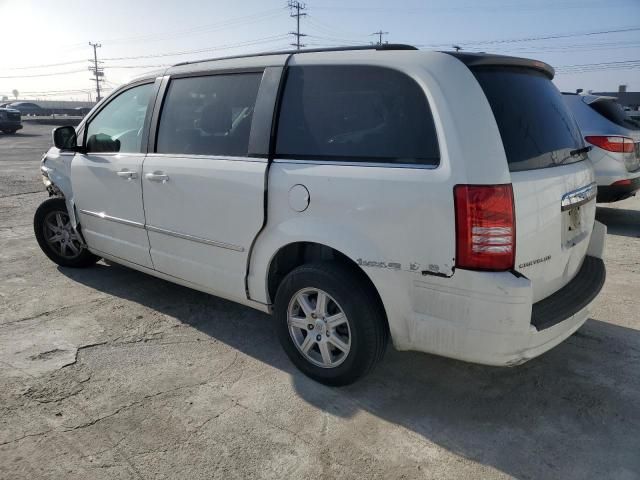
[19, 135]
[620, 221]
[572, 413]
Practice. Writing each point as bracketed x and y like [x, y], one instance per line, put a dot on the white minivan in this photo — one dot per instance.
[443, 200]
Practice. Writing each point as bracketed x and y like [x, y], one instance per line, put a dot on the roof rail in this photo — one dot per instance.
[384, 46]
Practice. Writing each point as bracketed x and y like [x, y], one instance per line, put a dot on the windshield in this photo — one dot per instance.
[537, 129]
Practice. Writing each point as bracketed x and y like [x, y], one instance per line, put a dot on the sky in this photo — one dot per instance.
[46, 42]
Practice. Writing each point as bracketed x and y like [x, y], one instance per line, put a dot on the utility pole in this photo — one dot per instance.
[380, 33]
[98, 72]
[297, 6]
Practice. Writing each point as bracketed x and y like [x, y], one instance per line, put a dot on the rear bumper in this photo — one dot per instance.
[613, 193]
[572, 298]
[489, 318]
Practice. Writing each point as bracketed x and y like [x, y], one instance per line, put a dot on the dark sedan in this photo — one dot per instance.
[10, 120]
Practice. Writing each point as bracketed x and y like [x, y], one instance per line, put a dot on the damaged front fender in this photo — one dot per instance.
[55, 167]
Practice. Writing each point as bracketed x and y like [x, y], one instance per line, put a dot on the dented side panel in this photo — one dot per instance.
[393, 222]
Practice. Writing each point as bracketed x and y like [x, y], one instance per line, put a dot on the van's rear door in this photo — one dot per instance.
[553, 185]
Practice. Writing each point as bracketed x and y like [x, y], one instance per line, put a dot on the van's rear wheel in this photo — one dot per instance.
[330, 323]
[57, 238]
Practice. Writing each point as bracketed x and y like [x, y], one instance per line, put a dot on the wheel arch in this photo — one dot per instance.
[297, 253]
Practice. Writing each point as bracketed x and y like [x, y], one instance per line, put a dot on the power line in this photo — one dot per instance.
[202, 50]
[573, 47]
[185, 52]
[341, 41]
[331, 30]
[555, 5]
[33, 92]
[568, 35]
[536, 38]
[230, 23]
[98, 72]
[594, 67]
[297, 6]
[44, 74]
[115, 67]
[73, 62]
[625, 62]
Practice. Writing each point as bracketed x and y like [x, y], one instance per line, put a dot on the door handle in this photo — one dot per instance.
[127, 174]
[157, 177]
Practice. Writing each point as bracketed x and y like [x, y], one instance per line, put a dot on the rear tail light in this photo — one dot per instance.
[485, 227]
[612, 144]
[622, 183]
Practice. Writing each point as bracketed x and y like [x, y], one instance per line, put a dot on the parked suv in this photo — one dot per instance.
[10, 120]
[615, 138]
[438, 199]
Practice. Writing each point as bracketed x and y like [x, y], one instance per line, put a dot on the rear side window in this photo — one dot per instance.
[355, 114]
[208, 115]
[613, 112]
[537, 128]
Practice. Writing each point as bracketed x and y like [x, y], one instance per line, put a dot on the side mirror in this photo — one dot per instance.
[65, 138]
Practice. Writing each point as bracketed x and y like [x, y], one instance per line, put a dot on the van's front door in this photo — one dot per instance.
[203, 194]
[107, 179]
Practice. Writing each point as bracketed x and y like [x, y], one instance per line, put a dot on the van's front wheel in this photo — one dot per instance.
[57, 238]
[330, 323]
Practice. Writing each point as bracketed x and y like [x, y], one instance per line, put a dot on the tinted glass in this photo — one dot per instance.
[613, 112]
[208, 115]
[355, 113]
[536, 127]
[118, 126]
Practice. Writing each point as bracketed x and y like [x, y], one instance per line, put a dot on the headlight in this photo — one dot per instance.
[45, 175]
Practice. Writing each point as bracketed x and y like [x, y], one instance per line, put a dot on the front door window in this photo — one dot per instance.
[118, 127]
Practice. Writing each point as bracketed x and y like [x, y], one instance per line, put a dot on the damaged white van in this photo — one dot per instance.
[442, 200]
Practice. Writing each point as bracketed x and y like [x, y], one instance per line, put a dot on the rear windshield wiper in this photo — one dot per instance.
[580, 151]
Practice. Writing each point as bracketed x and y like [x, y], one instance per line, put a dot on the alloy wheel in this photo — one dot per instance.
[60, 235]
[319, 327]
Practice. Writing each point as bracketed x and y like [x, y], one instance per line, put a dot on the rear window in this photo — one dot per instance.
[537, 128]
[613, 112]
[355, 114]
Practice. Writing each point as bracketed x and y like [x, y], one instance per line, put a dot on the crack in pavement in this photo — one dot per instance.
[22, 193]
[44, 398]
[15, 440]
[82, 347]
[133, 404]
[55, 311]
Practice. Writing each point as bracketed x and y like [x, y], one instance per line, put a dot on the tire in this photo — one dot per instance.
[363, 334]
[52, 220]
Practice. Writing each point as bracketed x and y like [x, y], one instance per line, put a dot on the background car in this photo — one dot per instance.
[80, 111]
[28, 108]
[615, 138]
[10, 120]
